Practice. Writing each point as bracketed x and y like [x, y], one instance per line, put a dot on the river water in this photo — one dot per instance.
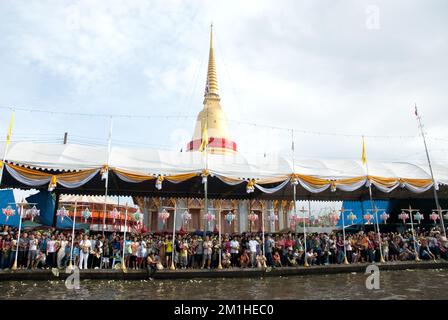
[405, 284]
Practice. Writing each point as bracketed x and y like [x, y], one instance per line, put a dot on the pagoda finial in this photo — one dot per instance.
[211, 35]
[211, 87]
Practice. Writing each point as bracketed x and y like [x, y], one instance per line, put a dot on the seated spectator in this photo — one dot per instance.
[244, 259]
[406, 253]
[226, 260]
[424, 252]
[311, 257]
[277, 259]
[291, 259]
[443, 247]
[261, 261]
[40, 260]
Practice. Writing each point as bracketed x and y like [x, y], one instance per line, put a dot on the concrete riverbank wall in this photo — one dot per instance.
[22, 275]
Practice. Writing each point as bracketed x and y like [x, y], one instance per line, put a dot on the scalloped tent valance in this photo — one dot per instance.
[71, 166]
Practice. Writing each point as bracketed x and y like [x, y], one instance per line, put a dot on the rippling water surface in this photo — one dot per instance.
[406, 284]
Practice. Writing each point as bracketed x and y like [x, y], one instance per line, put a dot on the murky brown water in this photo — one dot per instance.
[406, 284]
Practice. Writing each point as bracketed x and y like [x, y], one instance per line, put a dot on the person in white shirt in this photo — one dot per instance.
[349, 249]
[310, 256]
[253, 252]
[85, 246]
[51, 252]
[234, 248]
[32, 252]
[61, 252]
[141, 255]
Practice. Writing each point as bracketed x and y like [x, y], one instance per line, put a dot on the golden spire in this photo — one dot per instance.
[211, 123]
[211, 88]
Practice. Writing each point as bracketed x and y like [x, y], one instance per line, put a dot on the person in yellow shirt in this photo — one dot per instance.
[169, 251]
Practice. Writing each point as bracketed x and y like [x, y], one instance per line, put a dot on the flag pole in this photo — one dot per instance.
[343, 235]
[263, 211]
[14, 266]
[173, 265]
[413, 232]
[106, 173]
[70, 265]
[123, 262]
[303, 210]
[436, 198]
[372, 203]
[8, 140]
[219, 238]
[295, 182]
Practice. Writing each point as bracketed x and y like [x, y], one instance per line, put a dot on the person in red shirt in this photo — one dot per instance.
[280, 246]
[289, 242]
[371, 249]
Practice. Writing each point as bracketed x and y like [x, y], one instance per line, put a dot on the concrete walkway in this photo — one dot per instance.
[21, 275]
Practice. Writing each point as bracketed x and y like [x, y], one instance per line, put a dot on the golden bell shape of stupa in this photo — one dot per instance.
[211, 122]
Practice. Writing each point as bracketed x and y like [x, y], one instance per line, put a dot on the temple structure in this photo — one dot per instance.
[212, 124]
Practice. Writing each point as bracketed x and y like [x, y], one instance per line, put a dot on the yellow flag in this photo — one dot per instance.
[204, 142]
[363, 157]
[8, 135]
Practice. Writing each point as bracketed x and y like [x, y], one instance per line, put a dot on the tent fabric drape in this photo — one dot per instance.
[29, 177]
[136, 177]
[72, 166]
[272, 190]
[35, 178]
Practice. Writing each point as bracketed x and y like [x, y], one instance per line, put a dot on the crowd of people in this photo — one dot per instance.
[53, 249]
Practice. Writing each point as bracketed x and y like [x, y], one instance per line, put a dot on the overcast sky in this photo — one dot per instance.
[346, 67]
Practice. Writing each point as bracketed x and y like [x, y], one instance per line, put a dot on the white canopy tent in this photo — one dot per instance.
[135, 165]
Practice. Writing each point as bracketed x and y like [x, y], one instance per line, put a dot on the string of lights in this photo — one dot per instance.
[296, 131]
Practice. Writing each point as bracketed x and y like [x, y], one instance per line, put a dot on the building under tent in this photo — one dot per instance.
[212, 184]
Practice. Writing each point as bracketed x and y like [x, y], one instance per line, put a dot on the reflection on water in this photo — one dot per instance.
[406, 284]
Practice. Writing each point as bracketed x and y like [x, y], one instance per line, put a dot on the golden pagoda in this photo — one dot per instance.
[211, 122]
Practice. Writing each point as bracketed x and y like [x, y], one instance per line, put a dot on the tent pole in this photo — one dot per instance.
[413, 233]
[205, 205]
[219, 236]
[343, 235]
[105, 203]
[303, 210]
[375, 209]
[123, 262]
[55, 211]
[70, 265]
[309, 213]
[173, 266]
[263, 210]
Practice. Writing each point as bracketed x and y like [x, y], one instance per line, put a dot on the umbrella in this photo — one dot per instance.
[85, 226]
[28, 225]
[287, 230]
[201, 233]
[198, 233]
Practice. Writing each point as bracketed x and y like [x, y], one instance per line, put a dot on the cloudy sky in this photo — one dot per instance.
[336, 67]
